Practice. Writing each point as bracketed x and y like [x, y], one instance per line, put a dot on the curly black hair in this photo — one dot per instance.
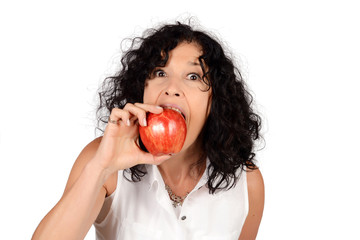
[232, 127]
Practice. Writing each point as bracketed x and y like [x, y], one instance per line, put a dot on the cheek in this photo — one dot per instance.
[204, 108]
[151, 92]
[147, 98]
[199, 116]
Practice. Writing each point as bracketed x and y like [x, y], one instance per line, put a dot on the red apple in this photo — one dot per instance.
[165, 133]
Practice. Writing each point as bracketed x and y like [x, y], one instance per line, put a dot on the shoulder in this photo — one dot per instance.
[256, 193]
[255, 183]
[87, 153]
[256, 196]
[90, 149]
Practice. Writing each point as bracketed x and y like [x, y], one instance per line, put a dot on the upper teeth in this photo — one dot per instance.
[175, 109]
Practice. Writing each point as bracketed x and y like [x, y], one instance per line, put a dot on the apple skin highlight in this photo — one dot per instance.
[165, 133]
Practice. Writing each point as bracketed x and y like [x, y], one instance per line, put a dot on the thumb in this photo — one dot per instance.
[148, 158]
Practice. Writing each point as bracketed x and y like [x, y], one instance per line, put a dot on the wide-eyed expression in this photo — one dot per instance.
[179, 85]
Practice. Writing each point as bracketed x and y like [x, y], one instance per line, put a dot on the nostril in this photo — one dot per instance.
[169, 93]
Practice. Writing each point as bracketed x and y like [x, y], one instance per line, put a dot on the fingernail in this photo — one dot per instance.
[158, 107]
[145, 123]
[128, 122]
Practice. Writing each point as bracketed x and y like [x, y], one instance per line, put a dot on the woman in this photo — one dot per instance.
[211, 189]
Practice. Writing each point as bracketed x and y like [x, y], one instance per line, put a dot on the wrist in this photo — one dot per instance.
[97, 171]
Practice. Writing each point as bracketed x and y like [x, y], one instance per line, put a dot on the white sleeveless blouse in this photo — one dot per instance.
[143, 210]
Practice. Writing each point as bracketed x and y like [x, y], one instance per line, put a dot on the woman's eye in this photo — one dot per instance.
[194, 76]
[159, 73]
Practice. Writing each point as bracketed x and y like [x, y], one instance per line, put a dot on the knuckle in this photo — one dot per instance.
[116, 110]
[124, 114]
[138, 104]
[128, 105]
[120, 113]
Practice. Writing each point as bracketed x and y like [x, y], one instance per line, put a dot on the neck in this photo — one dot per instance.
[184, 168]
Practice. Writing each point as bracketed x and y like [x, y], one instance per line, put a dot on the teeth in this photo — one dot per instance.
[175, 109]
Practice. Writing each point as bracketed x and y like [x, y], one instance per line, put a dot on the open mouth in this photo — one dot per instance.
[175, 109]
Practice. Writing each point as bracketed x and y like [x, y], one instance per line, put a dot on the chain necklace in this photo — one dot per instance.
[177, 200]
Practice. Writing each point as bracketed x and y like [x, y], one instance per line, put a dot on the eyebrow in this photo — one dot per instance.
[193, 63]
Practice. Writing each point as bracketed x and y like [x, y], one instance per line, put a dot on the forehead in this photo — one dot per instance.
[186, 50]
[187, 53]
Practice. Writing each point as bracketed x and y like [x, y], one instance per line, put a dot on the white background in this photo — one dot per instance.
[300, 58]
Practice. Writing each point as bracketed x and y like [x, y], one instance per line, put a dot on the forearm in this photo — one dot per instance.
[73, 215]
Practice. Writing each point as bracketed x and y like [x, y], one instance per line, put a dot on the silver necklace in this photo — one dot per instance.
[177, 200]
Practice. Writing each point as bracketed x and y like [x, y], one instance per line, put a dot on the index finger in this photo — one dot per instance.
[149, 107]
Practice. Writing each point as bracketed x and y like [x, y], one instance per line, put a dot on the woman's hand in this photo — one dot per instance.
[119, 147]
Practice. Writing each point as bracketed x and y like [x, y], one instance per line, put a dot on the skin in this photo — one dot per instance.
[256, 195]
[94, 174]
[179, 84]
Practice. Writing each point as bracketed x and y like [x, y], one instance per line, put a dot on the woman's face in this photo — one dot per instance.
[179, 85]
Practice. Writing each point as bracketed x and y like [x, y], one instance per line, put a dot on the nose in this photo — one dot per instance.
[173, 89]
[172, 93]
